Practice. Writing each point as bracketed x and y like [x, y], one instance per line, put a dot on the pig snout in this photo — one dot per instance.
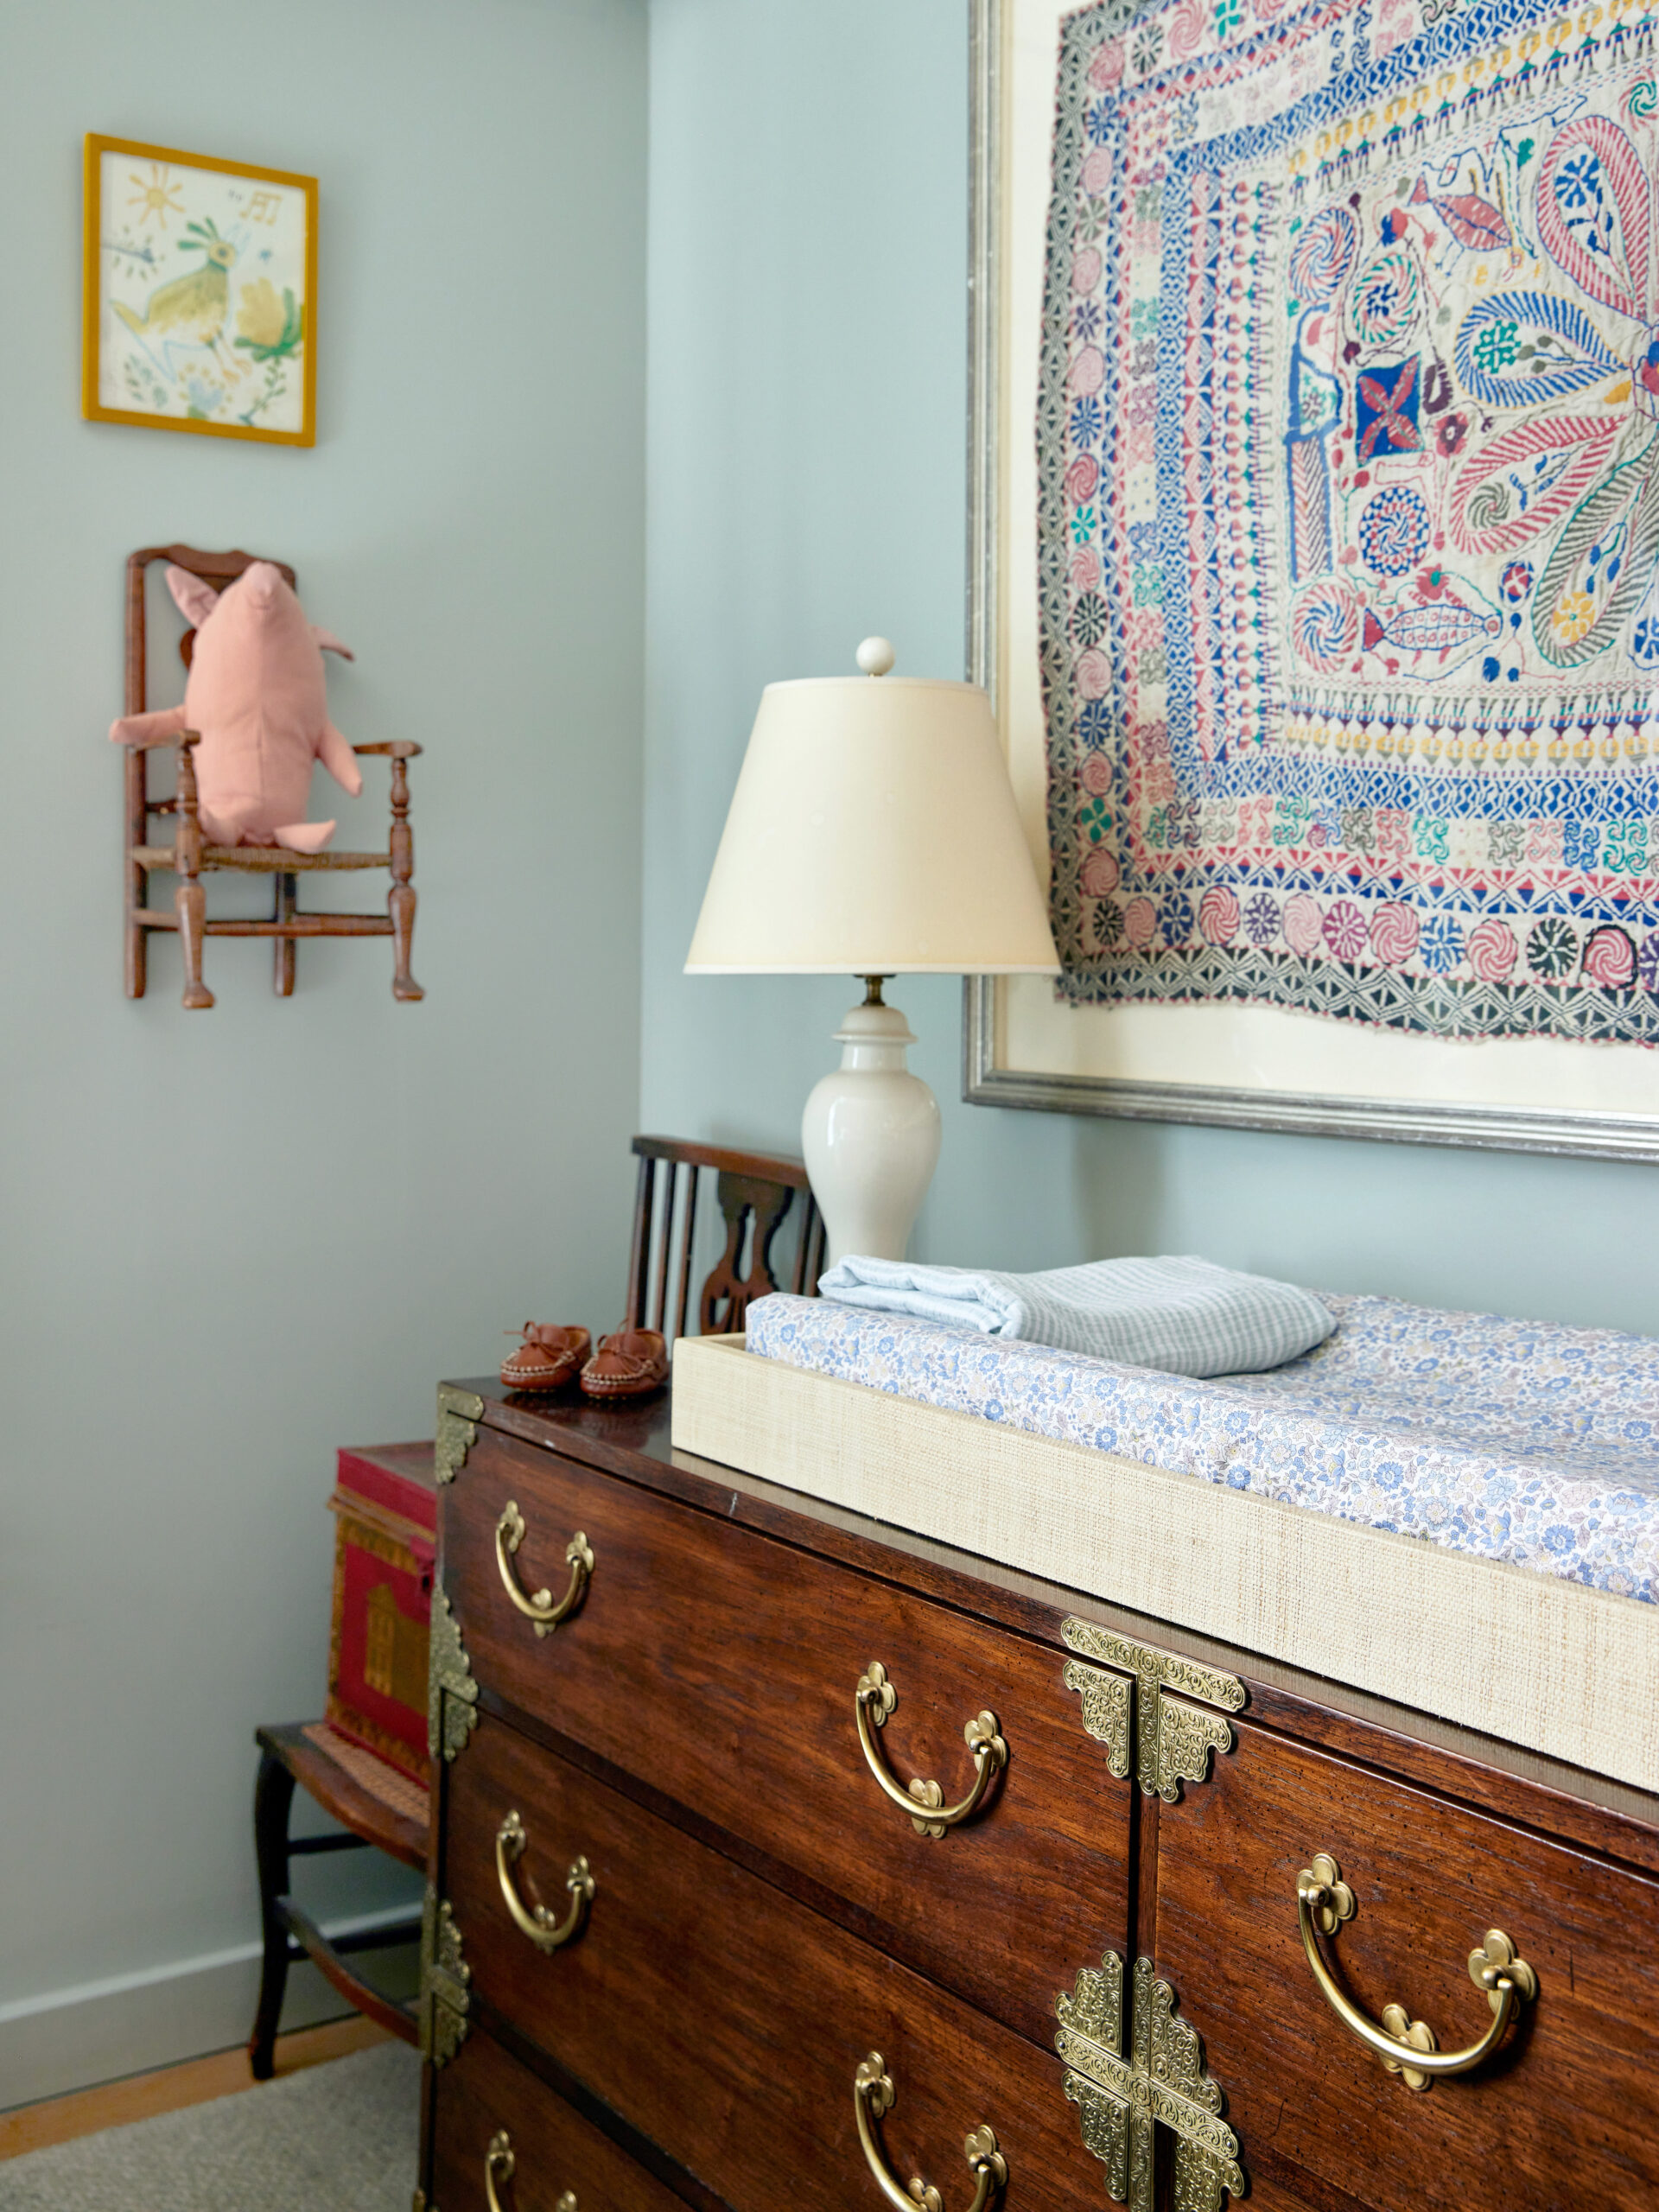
[260, 582]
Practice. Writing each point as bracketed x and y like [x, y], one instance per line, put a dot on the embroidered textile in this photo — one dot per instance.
[1348, 449]
[1510, 1439]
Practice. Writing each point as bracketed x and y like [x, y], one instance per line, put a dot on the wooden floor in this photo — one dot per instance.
[141, 2096]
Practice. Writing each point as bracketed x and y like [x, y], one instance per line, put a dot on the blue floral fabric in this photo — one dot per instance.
[1512, 1440]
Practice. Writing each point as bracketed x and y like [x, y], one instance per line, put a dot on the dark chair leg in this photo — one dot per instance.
[273, 1795]
[400, 900]
[189, 899]
[286, 905]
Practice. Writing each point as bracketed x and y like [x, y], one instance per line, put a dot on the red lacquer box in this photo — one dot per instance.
[386, 1504]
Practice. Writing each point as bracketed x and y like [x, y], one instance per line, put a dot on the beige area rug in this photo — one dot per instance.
[338, 2138]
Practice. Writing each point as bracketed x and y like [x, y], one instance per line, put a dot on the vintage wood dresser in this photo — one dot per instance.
[781, 1858]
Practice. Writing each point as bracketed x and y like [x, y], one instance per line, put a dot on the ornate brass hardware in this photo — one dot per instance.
[500, 2159]
[872, 2095]
[451, 1692]
[540, 1609]
[1408, 2047]
[446, 1983]
[536, 1921]
[459, 1414]
[873, 1704]
[1162, 2080]
[1172, 1739]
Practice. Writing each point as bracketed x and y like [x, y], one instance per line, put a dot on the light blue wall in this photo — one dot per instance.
[808, 254]
[234, 1240]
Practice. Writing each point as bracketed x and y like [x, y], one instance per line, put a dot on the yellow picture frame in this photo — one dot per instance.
[222, 257]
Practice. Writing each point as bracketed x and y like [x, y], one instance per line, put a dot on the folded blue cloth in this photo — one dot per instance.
[1183, 1316]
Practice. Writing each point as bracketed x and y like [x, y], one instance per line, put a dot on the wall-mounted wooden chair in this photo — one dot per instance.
[188, 859]
[755, 1192]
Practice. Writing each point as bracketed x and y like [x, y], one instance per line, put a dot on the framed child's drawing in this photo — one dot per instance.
[1316, 560]
[199, 295]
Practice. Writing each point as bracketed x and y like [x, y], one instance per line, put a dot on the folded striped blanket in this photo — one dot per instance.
[1183, 1316]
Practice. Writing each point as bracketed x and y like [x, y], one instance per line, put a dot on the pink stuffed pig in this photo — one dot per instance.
[257, 695]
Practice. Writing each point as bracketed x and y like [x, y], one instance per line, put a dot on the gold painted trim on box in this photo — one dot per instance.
[445, 1982]
[1162, 2081]
[451, 1695]
[1172, 1739]
[459, 1414]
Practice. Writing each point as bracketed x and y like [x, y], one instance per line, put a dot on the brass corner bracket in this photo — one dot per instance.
[446, 1983]
[459, 1414]
[1161, 2081]
[451, 1692]
[1172, 1739]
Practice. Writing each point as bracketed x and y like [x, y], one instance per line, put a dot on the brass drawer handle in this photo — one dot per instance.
[874, 1701]
[540, 1608]
[873, 2095]
[1408, 2047]
[538, 1923]
[499, 2159]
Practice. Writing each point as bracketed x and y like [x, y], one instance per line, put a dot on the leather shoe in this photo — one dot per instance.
[548, 1357]
[626, 1364]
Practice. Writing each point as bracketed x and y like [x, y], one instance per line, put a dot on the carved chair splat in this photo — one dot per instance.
[186, 858]
[755, 1192]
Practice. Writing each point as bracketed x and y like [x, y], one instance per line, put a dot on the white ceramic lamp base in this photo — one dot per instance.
[870, 1137]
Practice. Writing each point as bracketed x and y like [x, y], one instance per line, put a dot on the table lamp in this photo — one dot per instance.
[873, 833]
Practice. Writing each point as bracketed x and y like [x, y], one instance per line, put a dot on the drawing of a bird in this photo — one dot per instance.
[192, 308]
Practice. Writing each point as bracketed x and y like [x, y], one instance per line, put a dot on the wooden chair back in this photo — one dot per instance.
[755, 1192]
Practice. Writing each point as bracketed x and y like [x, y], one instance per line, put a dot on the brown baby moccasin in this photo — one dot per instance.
[626, 1364]
[548, 1357]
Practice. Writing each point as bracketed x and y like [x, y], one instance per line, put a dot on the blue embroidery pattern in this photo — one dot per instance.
[1373, 1425]
[1348, 443]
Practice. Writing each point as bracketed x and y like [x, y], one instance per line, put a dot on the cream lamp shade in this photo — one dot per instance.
[873, 831]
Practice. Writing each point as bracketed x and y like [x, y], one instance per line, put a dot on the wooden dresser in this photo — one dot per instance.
[783, 1859]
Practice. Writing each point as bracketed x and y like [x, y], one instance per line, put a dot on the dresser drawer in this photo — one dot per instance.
[722, 1666]
[725, 2020]
[1564, 2114]
[483, 2095]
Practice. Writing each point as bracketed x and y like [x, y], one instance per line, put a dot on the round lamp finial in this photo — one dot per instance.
[875, 656]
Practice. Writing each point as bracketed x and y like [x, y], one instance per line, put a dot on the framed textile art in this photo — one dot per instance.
[1316, 560]
[200, 281]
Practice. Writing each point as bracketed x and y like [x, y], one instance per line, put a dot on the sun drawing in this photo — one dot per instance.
[155, 198]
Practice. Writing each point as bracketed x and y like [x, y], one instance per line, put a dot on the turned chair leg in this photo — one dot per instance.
[189, 900]
[273, 1797]
[287, 903]
[400, 900]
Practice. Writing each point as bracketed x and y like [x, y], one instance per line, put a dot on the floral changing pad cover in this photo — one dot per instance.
[1514, 1440]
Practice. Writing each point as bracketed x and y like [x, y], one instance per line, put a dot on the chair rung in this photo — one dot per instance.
[260, 859]
[330, 1959]
[153, 917]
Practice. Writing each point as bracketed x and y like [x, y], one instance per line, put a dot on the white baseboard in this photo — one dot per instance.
[74, 2038]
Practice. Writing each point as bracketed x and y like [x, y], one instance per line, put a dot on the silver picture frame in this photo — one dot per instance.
[984, 1082]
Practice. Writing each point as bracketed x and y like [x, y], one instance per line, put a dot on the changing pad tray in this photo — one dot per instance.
[1535, 1657]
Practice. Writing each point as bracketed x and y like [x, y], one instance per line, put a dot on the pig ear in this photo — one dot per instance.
[328, 643]
[196, 601]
